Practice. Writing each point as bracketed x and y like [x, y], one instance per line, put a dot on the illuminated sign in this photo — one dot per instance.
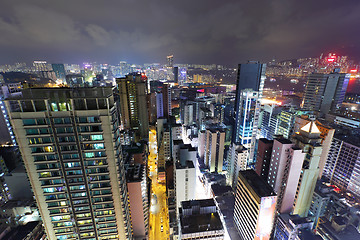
[265, 220]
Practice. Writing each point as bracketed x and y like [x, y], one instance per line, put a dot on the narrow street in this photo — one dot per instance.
[159, 220]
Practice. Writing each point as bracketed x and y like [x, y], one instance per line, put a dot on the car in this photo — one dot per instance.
[162, 228]
[161, 220]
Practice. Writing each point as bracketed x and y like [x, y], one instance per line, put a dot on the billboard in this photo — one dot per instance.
[265, 220]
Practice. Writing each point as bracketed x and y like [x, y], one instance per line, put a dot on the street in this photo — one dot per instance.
[159, 217]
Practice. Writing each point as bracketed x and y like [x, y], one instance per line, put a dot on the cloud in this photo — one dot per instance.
[224, 32]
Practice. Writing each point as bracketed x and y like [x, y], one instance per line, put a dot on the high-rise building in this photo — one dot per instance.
[293, 227]
[133, 103]
[309, 141]
[176, 74]
[200, 219]
[138, 199]
[246, 122]
[250, 76]
[7, 90]
[343, 163]
[166, 95]
[236, 161]
[284, 171]
[326, 135]
[40, 66]
[59, 71]
[170, 61]
[255, 203]
[159, 105]
[185, 181]
[214, 149]
[269, 121]
[263, 157]
[325, 92]
[68, 139]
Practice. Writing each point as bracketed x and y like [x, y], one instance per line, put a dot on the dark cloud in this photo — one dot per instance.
[202, 31]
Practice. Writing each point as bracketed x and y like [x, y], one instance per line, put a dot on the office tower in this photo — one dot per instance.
[250, 76]
[249, 87]
[218, 111]
[343, 164]
[185, 181]
[269, 121]
[236, 161]
[176, 74]
[153, 107]
[202, 136]
[133, 103]
[263, 157]
[199, 219]
[214, 149]
[59, 71]
[164, 146]
[286, 122]
[68, 139]
[138, 199]
[308, 139]
[293, 227]
[188, 114]
[159, 105]
[170, 61]
[325, 92]
[166, 95]
[255, 204]
[246, 122]
[284, 172]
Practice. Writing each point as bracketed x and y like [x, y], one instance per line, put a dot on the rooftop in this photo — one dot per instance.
[259, 185]
[200, 223]
[135, 172]
[188, 164]
[201, 203]
[282, 140]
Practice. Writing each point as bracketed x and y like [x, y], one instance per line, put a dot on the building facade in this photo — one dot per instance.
[70, 145]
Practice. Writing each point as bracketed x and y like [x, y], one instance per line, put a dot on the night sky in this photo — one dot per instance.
[197, 31]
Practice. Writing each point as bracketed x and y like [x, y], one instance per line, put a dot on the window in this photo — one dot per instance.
[96, 137]
[29, 122]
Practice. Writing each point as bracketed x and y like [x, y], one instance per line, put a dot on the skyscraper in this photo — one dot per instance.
[250, 76]
[214, 149]
[170, 60]
[246, 122]
[255, 204]
[284, 172]
[325, 92]
[133, 103]
[249, 87]
[166, 94]
[263, 156]
[59, 71]
[68, 139]
[308, 139]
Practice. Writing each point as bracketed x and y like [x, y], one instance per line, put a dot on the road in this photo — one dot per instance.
[159, 216]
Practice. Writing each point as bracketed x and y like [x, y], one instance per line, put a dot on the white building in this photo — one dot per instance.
[185, 182]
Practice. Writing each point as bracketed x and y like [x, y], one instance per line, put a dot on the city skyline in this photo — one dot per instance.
[199, 32]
